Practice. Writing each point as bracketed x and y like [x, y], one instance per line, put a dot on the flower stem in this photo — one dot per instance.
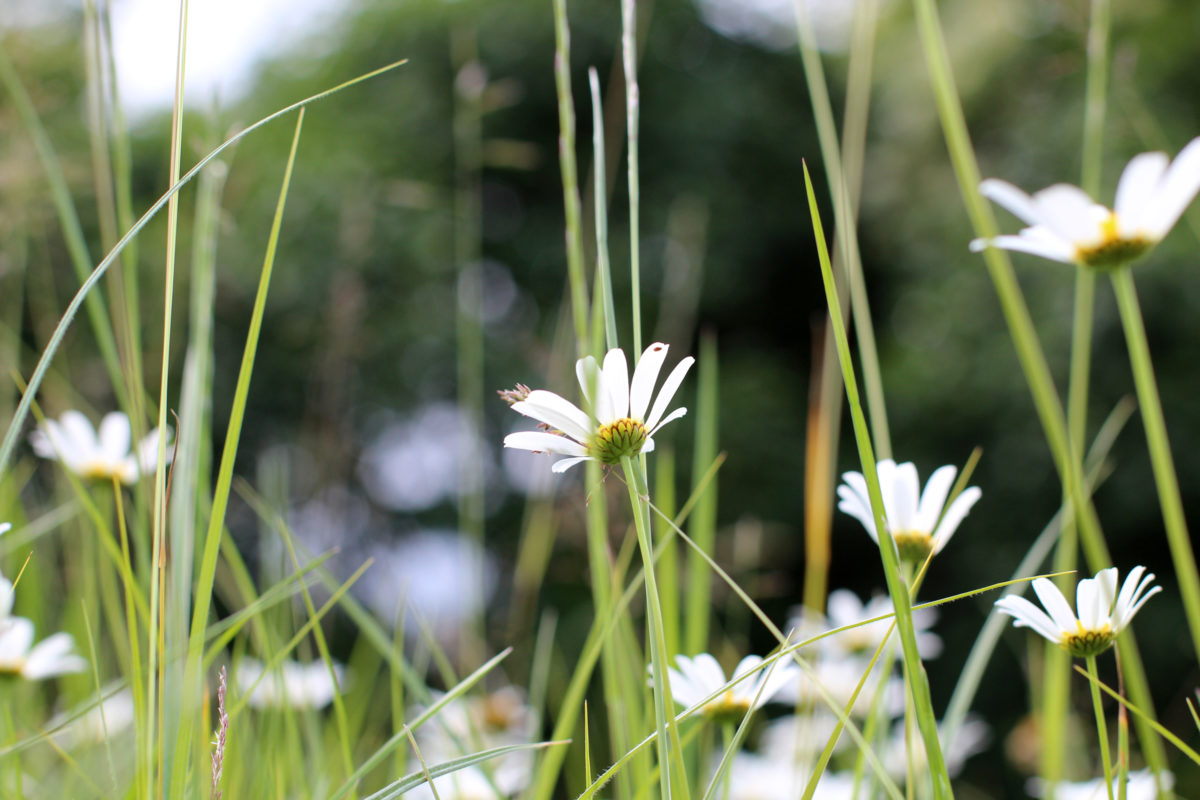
[1165, 477]
[1101, 727]
[639, 495]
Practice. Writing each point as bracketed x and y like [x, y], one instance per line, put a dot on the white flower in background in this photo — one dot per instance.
[1102, 612]
[918, 525]
[50, 657]
[696, 679]
[799, 738]
[837, 678]
[972, 737]
[103, 456]
[289, 685]
[753, 777]
[468, 725]
[843, 608]
[1139, 785]
[470, 783]
[102, 718]
[1066, 225]
[617, 424]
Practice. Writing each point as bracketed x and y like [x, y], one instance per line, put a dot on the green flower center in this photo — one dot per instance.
[1086, 642]
[625, 437]
[1114, 251]
[913, 546]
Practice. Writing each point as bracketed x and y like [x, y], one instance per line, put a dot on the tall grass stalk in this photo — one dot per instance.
[1025, 340]
[629, 53]
[914, 672]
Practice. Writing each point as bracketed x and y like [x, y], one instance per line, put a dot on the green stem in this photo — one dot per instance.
[1165, 478]
[918, 683]
[1101, 727]
[632, 105]
[639, 495]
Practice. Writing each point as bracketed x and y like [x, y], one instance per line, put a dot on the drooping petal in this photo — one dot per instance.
[1055, 604]
[1067, 211]
[116, 437]
[645, 375]
[674, 415]
[554, 410]
[1133, 601]
[954, 515]
[565, 464]
[1176, 191]
[1010, 197]
[853, 504]
[1048, 246]
[616, 380]
[1026, 614]
[1136, 190]
[540, 442]
[667, 392]
[934, 497]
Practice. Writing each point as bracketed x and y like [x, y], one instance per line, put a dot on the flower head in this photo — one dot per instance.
[1066, 225]
[104, 455]
[1102, 612]
[289, 685]
[844, 609]
[20, 657]
[698, 678]
[617, 424]
[918, 525]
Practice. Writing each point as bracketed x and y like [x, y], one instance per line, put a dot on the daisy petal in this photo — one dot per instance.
[587, 372]
[933, 498]
[1026, 614]
[667, 392]
[1055, 604]
[1010, 197]
[616, 380]
[1067, 211]
[1136, 190]
[540, 442]
[566, 463]
[115, 437]
[554, 410]
[954, 515]
[674, 415]
[905, 486]
[1050, 247]
[645, 375]
[1176, 191]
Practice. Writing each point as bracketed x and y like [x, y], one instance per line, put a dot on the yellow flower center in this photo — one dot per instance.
[1112, 251]
[913, 546]
[727, 708]
[1087, 642]
[625, 437]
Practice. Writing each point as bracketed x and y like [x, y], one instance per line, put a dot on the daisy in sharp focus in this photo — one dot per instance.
[617, 424]
[754, 685]
[101, 455]
[21, 658]
[1066, 225]
[1102, 612]
[918, 525]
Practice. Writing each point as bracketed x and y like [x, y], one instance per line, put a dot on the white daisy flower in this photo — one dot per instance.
[105, 455]
[753, 777]
[972, 737]
[835, 679]
[843, 609]
[1066, 225]
[1102, 612]
[617, 424]
[1139, 785]
[289, 685]
[50, 657]
[753, 685]
[918, 525]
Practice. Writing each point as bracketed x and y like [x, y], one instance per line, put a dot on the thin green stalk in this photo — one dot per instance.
[1057, 664]
[603, 286]
[1024, 336]
[570, 174]
[1165, 478]
[703, 527]
[1101, 726]
[155, 685]
[639, 494]
[632, 107]
[917, 679]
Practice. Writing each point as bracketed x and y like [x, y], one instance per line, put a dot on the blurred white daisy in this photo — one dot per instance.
[753, 685]
[289, 685]
[843, 608]
[468, 725]
[1139, 785]
[1102, 612]
[918, 525]
[1066, 225]
[102, 455]
[101, 718]
[754, 777]
[972, 737]
[835, 679]
[617, 424]
[50, 657]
